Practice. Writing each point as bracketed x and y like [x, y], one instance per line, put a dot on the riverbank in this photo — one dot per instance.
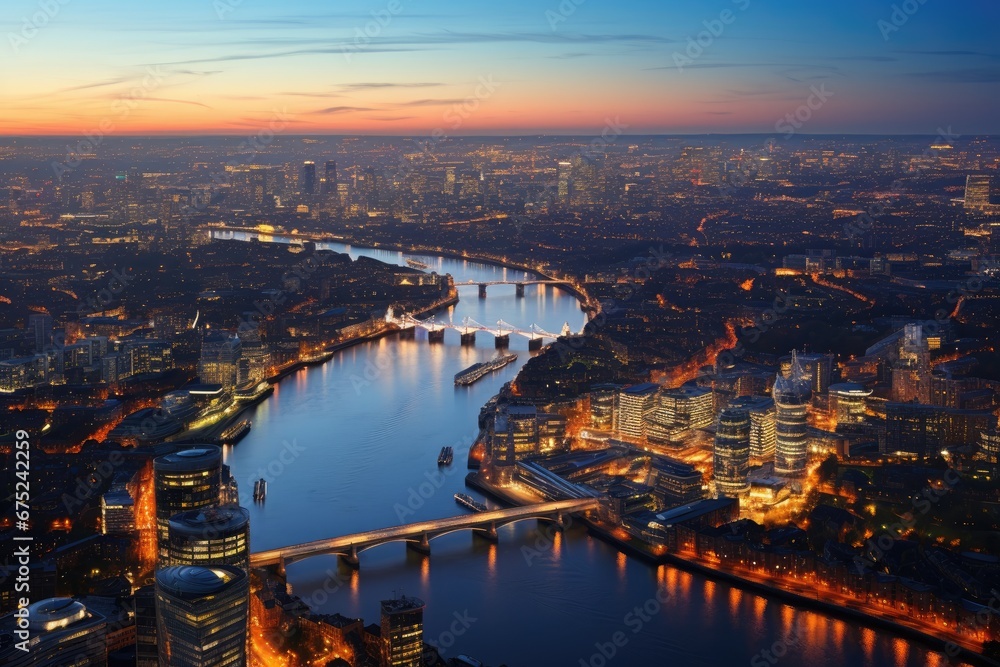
[947, 647]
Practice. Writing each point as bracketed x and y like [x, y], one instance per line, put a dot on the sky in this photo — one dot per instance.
[414, 67]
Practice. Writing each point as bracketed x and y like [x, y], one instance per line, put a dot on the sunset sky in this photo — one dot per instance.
[227, 66]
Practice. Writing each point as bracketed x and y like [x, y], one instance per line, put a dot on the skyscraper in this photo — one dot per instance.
[565, 175]
[633, 404]
[62, 631]
[330, 178]
[791, 396]
[977, 192]
[201, 616]
[210, 536]
[763, 428]
[308, 184]
[40, 328]
[732, 453]
[190, 479]
[911, 372]
[146, 652]
[402, 632]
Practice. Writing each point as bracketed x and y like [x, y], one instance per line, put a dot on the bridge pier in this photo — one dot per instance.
[502, 341]
[534, 344]
[482, 290]
[469, 338]
[421, 547]
[351, 559]
[519, 290]
[435, 335]
[489, 534]
[408, 333]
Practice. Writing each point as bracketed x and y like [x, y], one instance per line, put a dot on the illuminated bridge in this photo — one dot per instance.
[469, 327]
[418, 536]
[519, 284]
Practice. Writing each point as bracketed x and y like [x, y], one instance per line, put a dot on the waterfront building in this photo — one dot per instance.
[402, 632]
[219, 363]
[190, 479]
[732, 453]
[763, 427]
[62, 631]
[676, 483]
[210, 536]
[201, 616]
[633, 404]
[791, 397]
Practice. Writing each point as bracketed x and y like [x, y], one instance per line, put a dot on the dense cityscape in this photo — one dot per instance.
[496, 336]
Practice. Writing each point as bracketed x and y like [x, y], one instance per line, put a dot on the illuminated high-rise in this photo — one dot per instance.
[403, 632]
[61, 632]
[732, 453]
[633, 404]
[763, 427]
[564, 175]
[220, 359]
[190, 479]
[977, 192]
[308, 182]
[791, 396]
[210, 536]
[330, 178]
[201, 616]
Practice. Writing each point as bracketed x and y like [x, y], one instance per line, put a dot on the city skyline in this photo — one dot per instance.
[566, 68]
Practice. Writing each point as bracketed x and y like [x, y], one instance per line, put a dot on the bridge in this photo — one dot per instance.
[418, 536]
[469, 327]
[519, 284]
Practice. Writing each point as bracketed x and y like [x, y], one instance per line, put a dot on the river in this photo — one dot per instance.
[352, 445]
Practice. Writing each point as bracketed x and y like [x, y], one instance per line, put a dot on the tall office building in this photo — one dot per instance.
[308, 183]
[732, 453]
[633, 404]
[977, 192]
[763, 427]
[330, 178]
[403, 632]
[190, 479]
[677, 411]
[62, 632]
[817, 368]
[565, 175]
[40, 328]
[146, 652]
[210, 536]
[791, 396]
[201, 616]
[911, 372]
[603, 400]
[220, 359]
[849, 403]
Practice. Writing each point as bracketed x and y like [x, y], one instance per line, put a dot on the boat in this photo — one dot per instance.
[446, 456]
[417, 264]
[236, 432]
[260, 489]
[477, 371]
[470, 503]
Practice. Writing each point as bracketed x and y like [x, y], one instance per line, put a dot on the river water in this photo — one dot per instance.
[352, 445]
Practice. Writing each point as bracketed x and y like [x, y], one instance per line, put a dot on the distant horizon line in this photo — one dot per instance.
[783, 137]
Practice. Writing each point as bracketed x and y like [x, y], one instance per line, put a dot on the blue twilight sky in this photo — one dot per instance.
[517, 66]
